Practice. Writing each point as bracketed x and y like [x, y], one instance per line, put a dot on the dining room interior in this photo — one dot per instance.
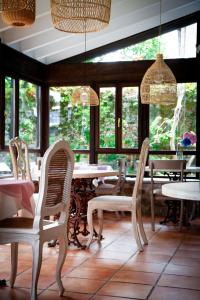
[99, 149]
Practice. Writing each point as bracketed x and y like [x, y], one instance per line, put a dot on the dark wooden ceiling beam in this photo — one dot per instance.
[73, 74]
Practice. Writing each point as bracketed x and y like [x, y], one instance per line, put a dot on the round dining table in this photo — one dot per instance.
[15, 195]
[182, 191]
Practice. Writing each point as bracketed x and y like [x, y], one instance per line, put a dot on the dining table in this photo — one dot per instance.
[183, 191]
[15, 195]
[82, 191]
[191, 169]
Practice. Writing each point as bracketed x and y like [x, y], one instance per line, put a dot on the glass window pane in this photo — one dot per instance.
[5, 164]
[29, 118]
[81, 158]
[168, 124]
[129, 117]
[9, 98]
[71, 123]
[107, 117]
[112, 160]
[183, 46]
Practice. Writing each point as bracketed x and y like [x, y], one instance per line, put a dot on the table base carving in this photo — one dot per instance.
[82, 192]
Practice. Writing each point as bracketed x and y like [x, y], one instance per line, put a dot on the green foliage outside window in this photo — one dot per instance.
[107, 117]
[28, 113]
[8, 109]
[130, 117]
[71, 123]
[162, 118]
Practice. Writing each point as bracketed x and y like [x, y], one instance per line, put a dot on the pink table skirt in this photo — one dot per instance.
[18, 192]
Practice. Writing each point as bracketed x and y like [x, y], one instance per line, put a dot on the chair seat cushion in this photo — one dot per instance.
[112, 201]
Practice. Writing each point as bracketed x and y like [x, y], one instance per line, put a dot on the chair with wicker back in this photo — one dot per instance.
[113, 189]
[54, 198]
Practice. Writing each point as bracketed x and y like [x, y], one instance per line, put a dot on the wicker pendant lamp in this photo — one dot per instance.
[8, 5]
[71, 15]
[158, 85]
[85, 96]
[23, 17]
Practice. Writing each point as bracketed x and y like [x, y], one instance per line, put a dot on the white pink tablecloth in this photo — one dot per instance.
[15, 195]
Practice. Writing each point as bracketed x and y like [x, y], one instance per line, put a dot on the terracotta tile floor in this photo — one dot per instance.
[169, 267]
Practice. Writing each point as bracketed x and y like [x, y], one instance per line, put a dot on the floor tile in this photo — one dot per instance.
[166, 293]
[136, 277]
[91, 273]
[185, 261]
[53, 295]
[141, 266]
[180, 281]
[82, 285]
[182, 270]
[103, 263]
[119, 289]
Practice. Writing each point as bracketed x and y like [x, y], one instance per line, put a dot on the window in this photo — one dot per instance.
[9, 106]
[29, 95]
[71, 123]
[5, 164]
[183, 46]
[130, 117]
[112, 160]
[107, 117]
[167, 123]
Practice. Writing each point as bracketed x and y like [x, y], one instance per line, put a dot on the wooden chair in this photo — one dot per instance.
[21, 167]
[113, 189]
[54, 198]
[175, 170]
[20, 159]
[122, 203]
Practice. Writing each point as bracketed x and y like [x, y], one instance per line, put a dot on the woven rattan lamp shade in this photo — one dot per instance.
[79, 16]
[159, 84]
[21, 18]
[7, 5]
[85, 95]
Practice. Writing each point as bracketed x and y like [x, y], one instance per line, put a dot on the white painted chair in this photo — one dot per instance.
[122, 203]
[171, 167]
[54, 198]
[113, 189]
[21, 167]
[20, 159]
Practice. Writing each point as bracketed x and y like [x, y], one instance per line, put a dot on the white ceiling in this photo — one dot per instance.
[128, 17]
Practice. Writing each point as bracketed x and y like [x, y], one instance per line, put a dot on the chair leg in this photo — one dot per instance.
[60, 263]
[141, 227]
[90, 225]
[36, 266]
[152, 214]
[100, 219]
[14, 260]
[135, 230]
